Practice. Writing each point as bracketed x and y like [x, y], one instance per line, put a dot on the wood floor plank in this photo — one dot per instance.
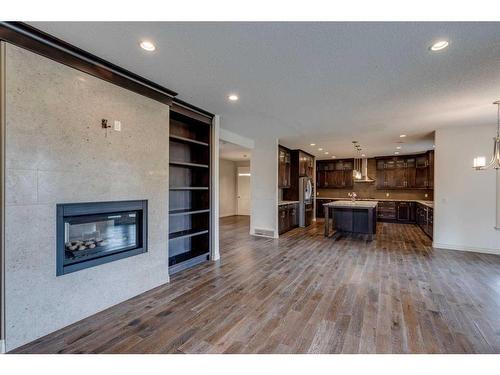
[304, 293]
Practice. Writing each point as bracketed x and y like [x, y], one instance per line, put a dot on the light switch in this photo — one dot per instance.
[117, 126]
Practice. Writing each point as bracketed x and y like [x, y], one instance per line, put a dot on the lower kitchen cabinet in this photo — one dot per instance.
[386, 210]
[425, 219]
[288, 217]
[404, 211]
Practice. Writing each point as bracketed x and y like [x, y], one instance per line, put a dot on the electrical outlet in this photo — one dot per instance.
[117, 126]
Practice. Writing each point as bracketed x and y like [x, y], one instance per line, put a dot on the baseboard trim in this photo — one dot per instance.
[466, 248]
[2, 346]
[227, 215]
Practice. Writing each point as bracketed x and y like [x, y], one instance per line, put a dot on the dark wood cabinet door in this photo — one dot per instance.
[399, 178]
[302, 164]
[380, 180]
[310, 166]
[338, 179]
[348, 181]
[390, 178]
[284, 168]
[410, 177]
[430, 172]
[380, 164]
[422, 161]
[283, 219]
[421, 177]
[403, 211]
[281, 167]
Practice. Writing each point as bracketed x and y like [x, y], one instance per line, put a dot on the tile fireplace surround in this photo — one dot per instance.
[57, 152]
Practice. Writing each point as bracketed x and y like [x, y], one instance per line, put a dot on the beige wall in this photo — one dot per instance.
[465, 204]
[369, 190]
[57, 152]
[227, 188]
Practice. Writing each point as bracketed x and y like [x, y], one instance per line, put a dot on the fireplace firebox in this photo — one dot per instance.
[90, 234]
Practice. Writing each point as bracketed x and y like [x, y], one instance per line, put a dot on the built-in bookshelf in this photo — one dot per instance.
[190, 187]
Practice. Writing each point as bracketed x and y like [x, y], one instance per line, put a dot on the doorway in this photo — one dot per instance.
[243, 191]
[234, 186]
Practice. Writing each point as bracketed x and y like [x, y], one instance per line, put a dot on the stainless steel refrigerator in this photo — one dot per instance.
[306, 195]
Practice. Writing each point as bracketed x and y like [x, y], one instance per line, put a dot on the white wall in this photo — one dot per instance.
[465, 199]
[227, 188]
[57, 152]
[264, 185]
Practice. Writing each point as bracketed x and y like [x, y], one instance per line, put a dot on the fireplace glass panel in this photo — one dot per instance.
[92, 236]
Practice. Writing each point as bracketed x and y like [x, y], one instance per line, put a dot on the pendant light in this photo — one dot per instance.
[480, 161]
[356, 173]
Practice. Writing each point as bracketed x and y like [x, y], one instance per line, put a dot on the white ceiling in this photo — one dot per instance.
[230, 151]
[323, 83]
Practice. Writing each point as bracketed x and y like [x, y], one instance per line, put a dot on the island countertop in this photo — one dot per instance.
[423, 202]
[351, 204]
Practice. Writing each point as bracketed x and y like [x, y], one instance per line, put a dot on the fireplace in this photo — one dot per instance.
[90, 234]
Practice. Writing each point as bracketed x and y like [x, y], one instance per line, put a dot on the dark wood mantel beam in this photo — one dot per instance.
[37, 41]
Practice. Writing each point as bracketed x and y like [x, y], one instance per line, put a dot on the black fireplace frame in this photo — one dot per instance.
[92, 208]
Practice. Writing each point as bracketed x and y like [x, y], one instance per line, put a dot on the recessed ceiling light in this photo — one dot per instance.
[439, 45]
[147, 45]
[313, 144]
[396, 153]
[326, 152]
[320, 149]
[402, 136]
[233, 97]
[363, 155]
[398, 148]
[333, 157]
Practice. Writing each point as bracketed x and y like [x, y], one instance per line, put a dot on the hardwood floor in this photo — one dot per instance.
[305, 293]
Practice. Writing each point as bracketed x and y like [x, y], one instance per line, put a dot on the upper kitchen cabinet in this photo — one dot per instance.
[301, 165]
[406, 172]
[430, 158]
[334, 174]
[306, 164]
[284, 167]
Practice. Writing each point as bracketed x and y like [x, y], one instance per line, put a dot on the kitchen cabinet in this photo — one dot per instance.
[335, 174]
[425, 219]
[403, 211]
[301, 164]
[284, 168]
[386, 210]
[430, 176]
[406, 211]
[406, 172]
[306, 165]
[288, 217]
[283, 218]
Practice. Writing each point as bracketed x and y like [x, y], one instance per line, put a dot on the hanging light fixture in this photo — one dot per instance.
[480, 161]
[356, 173]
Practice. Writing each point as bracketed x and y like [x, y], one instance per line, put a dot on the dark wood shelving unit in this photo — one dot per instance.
[186, 164]
[190, 188]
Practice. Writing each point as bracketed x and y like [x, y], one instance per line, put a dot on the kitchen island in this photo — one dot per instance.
[358, 217]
